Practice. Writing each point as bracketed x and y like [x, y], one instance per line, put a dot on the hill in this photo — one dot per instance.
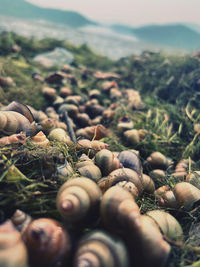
[174, 35]
[23, 9]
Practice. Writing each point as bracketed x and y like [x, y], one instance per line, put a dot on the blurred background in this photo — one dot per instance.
[115, 28]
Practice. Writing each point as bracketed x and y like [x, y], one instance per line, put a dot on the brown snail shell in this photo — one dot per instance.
[7, 82]
[186, 194]
[108, 114]
[58, 101]
[19, 138]
[71, 109]
[125, 123]
[96, 121]
[158, 161]
[65, 91]
[20, 108]
[40, 139]
[100, 248]
[130, 160]
[161, 190]
[95, 93]
[168, 200]
[158, 176]
[93, 110]
[92, 147]
[73, 99]
[82, 120]
[93, 132]
[167, 223]
[106, 161]
[20, 219]
[50, 124]
[49, 92]
[77, 198]
[38, 115]
[148, 184]
[59, 134]
[124, 174]
[84, 160]
[115, 94]
[132, 136]
[47, 242]
[194, 178]
[12, 122]
[12, 249]
[129, 186]
[90, 171]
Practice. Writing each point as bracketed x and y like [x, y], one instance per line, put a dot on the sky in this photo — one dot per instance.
[131, 12]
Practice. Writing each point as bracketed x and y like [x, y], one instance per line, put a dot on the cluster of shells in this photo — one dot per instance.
[99, 192]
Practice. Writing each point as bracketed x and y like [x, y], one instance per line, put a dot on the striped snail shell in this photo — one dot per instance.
[40, 139]
[124, 174]
[167, 223]
[78, 198]
[148, 184]
[186, 195]
[20, 108]
[194, 178]
[19, 138]
[100, 248]
[20, 220]
[90, 171]
[12, 122]
[168, 200]
[130, 160]
[106, 161]
[47, 242]
[118, 206]
[59, 134]
[12, 249]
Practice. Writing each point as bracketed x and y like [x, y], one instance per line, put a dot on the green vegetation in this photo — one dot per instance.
[169, 87]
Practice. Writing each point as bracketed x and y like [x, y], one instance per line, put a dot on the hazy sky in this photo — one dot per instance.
[133, 12]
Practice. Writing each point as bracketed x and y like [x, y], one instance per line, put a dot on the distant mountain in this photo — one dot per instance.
[173, 35]
[23, 9]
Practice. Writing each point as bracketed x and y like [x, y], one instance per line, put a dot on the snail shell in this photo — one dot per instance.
[19, 138]
[65, 91]
[186, 195]
[49, 93]
[84, 160]
[40, 139]
[20, 220]
[148, 184]
[168, 200]
[93, 132]
[12, 122]
[161, 190]
[82, 120]
[77, 198]
[132, 136]
[158, 176]
[167, 223]
[124, 174]
[194, 178]
[20, 108]
[92, 147]
[125, 123]
[70, 108]
[49, 124]
[59, 134]
[12, 249]
[90, 171]
[95, 93]
[58, 101]
[73, 99]
[158, 161]
[64, 171]
[47, 242]
[130, 160]
[106, 161]
[100, 248]
[129, 186]
[93, 110]
[118, 206]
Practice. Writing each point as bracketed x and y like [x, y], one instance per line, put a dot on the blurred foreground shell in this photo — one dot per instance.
[77, 199]
[40, 139]
[168, 224]
[14, 138]
[47, 242]
[20, 219]
[12, 122]
[101, 249]
[12, 249]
